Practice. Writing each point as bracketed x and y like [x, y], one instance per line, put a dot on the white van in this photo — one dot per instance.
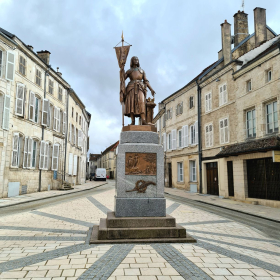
[100, 174]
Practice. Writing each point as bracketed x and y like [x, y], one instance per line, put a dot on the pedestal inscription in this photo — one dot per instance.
[140, 164]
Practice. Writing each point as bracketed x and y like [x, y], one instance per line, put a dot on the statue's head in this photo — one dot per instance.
[134, 61]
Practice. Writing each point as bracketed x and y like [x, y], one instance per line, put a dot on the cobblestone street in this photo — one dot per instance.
[53, 243]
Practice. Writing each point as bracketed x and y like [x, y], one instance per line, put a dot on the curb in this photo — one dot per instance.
[223, 207]
[22, 202]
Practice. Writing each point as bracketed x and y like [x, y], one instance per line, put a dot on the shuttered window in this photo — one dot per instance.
[272, 117]
[50, 86]
[60, 93]
[79, 138]
[15, 153]
[55, 157]
[192, 171]
[10, 66]
[64, 123]
[70, 164]
[25, 150]
[22, 65]
[191, 102]
[38, 77]
[70, 133]
[19, 100]
[251, 123]
[29, 152]
[174, 141]
[180, 171]
[185, 135]
[6, 112]
[34, 154]
[208, 102]
[44, 155]
[223, 96]
[31, 105]
[75, 165]
[180, 138]
[224, 131]
[209, 135]
[192, 134]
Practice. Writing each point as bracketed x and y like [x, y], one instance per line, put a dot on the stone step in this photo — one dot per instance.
[136, 222]
[95, 232]
[139, 233]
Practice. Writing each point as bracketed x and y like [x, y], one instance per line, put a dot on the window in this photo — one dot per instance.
[76, 117]
[251, 123]
[38, 77]
[169, 114]
[268, 75]
[249, 85]
[10, 67]
[1, 61]
[194, 134]
[50, 116]
[223, 95]
[209, 135]
[34, 154]
[55, 157]
[191, 102]
[72, 112]
[272, 117]
[28, 153]
[169, 141]
[163, 120]
[179, 108]
[80, 120]
[70, 133]
[56, 119]
[44, 155]
[180, 138]
[208, 102]
[19, 100]
[50, 86]
[192, 171]
[22, 65]
[180, 171]
[224, 131]
[60, 93]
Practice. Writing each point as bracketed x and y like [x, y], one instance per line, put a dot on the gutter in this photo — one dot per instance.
[199, 135]
[66, 134]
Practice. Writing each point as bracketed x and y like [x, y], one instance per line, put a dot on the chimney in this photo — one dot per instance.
[30, 47]
[45, 56]
[260, 26]
[241, 30]
[226, 42]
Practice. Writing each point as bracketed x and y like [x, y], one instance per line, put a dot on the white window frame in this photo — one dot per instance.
[180, 172]
[10, 64]
[250, 123]
[249, 85]
[275, 128]
[32, 153]
[38, 77]
[6, 111]
[51, 86]
[19, 85]
[268, 75]
[22, 65]
[192, 134]
[185, 129]
[55, 157]
[16, 150]
[45, 112]
[169, 141]
[193, 171]
[60, 93]
[208, 102]
[174, 141]
[180, 138]
[191, 100]
[224, 130]
[223, 94]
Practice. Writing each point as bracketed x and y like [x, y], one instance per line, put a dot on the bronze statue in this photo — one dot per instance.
[136, 90]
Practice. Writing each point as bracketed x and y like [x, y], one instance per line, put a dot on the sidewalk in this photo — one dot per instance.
[4, 202]
[256, 210]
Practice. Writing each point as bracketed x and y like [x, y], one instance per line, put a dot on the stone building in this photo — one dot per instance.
[34, 117]
[237, 114]
[93, 162]
[108, 160]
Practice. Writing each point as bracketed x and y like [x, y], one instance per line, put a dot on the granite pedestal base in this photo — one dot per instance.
[139, 230]
[140, 207]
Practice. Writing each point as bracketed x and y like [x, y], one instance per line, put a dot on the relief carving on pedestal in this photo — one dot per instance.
[141, 164]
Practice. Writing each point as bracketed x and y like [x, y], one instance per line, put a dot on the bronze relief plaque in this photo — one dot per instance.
[141, 164]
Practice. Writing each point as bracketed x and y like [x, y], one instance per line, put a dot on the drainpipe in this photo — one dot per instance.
[199, 135]
[66, 133]
[43, 128]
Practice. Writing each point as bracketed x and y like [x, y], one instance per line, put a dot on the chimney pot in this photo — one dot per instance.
[241, 30]
[260, 26]
[226, 42]
[45, 56]
[30, 47]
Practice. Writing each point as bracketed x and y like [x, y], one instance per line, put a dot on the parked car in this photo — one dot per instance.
[100, 174]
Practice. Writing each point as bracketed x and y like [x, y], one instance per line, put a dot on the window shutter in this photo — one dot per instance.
[15, 149]
[70, 133]
[24, 164]
[45, 111]
[174, 142]
[225, 93]
[75, 165]
[80, 138]
[29, 152]
[31, 106]
[196, 132]
[58, 120]
[210, 135]
[206, 103]
[75, 136]
[64, 123]
[221, 95]
[46, 161]
[185, 135]
[19, 100]
[70, 165]
[222, 137]
[164, 141]
[6, 112]
[181, 107]
[10, 68]
[55, 156]
[207, 136]
[54, 118]
[226, 130]
[190, 135]
[210, 101]
[42, 155]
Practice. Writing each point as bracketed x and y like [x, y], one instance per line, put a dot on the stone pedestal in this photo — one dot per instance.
[140, 206]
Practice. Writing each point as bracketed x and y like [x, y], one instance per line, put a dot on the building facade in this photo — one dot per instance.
[237, 117]
[33, 120]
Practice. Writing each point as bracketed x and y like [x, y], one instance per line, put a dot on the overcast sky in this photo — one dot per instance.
[174, 40]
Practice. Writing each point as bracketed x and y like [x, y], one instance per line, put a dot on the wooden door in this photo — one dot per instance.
[212, 178]
[230, 178]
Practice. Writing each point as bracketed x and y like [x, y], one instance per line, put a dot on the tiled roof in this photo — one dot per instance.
[93, 157]
[111, 148]
[254, 146]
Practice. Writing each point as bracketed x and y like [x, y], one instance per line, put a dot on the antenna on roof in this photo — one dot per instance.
[243, 5]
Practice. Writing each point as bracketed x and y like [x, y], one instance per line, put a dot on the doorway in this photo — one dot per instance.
[169, 175]
[230, 178]
[212, 178]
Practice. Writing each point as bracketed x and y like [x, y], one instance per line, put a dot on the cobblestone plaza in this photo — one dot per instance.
[53, 243]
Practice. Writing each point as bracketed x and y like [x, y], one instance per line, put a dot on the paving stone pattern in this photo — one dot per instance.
[39, 245]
